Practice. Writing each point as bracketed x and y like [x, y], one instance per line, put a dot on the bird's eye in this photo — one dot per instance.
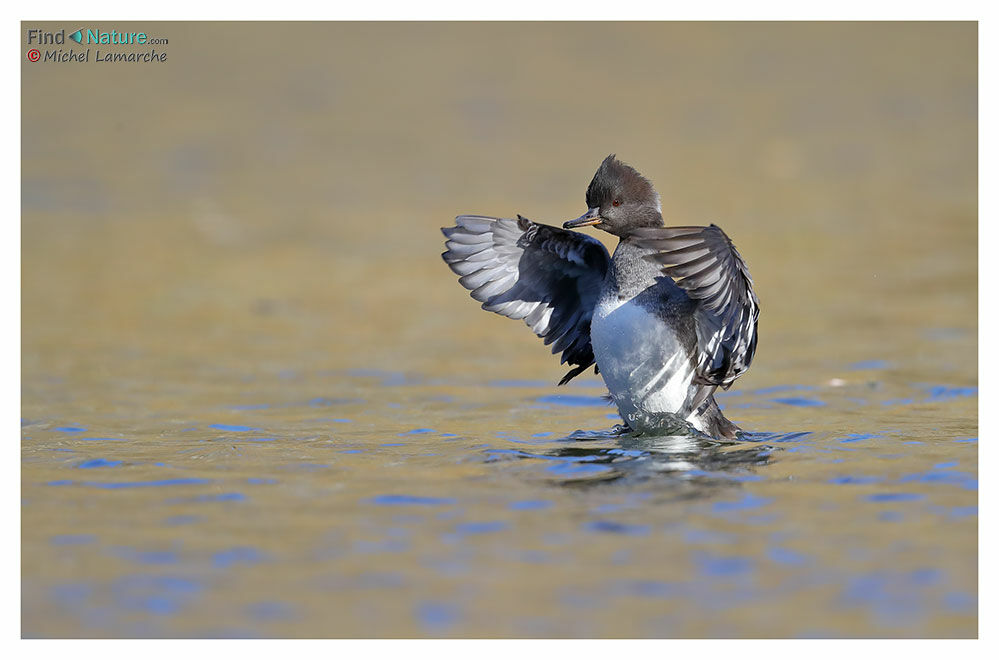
[616, 202]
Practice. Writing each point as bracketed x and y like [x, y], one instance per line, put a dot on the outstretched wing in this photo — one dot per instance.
[547, 276]
[705, 264]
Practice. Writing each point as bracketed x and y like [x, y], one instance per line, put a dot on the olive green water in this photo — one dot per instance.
[256, 403]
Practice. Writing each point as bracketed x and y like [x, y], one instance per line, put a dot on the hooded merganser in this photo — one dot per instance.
[668, 320]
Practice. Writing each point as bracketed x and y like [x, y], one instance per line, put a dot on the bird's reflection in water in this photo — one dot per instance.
[690, 465]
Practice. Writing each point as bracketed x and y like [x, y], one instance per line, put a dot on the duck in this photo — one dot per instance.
[667, 320]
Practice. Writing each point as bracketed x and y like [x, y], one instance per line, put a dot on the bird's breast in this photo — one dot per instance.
[640, 356]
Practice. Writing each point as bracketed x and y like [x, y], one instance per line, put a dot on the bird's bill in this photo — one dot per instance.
[591, 217]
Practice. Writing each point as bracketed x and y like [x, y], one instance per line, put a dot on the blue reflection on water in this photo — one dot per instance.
[708, 536]
[722, 566]
[614, 527]
[627, 452]
[892, 598]
[410, 500]
[572, 469]
[870, 364]
[800, 402]
[964, 479]
[160, 594]
[238, 555]
[115, 485]
[856, 479]
[235, 428]
[388, 378]
[436, 616]
[98, 463]
[270, 610]
[894, 497]
[653, 588]
[482, 527]
[210, 497]
[942, 392]
[964, 511]
[73, 539]
[856, 437]
[247, 439]
[323, 402]
[530, 505]
[959, 601]
[155, 557]
[725, 476]
[534, 557]
[72, 594]
[787, 557]
[746, 502]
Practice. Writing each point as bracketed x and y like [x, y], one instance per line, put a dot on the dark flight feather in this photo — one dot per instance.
[547, 276]
[705, 264]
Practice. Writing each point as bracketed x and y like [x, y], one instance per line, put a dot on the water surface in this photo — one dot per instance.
[256, 403]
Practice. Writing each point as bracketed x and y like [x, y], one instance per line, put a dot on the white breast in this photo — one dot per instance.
[641, 360]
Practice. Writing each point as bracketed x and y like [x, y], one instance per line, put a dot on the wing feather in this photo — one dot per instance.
[705, 264]
[547, 276]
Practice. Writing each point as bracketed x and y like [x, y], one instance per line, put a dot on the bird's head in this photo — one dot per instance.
[619, 200]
